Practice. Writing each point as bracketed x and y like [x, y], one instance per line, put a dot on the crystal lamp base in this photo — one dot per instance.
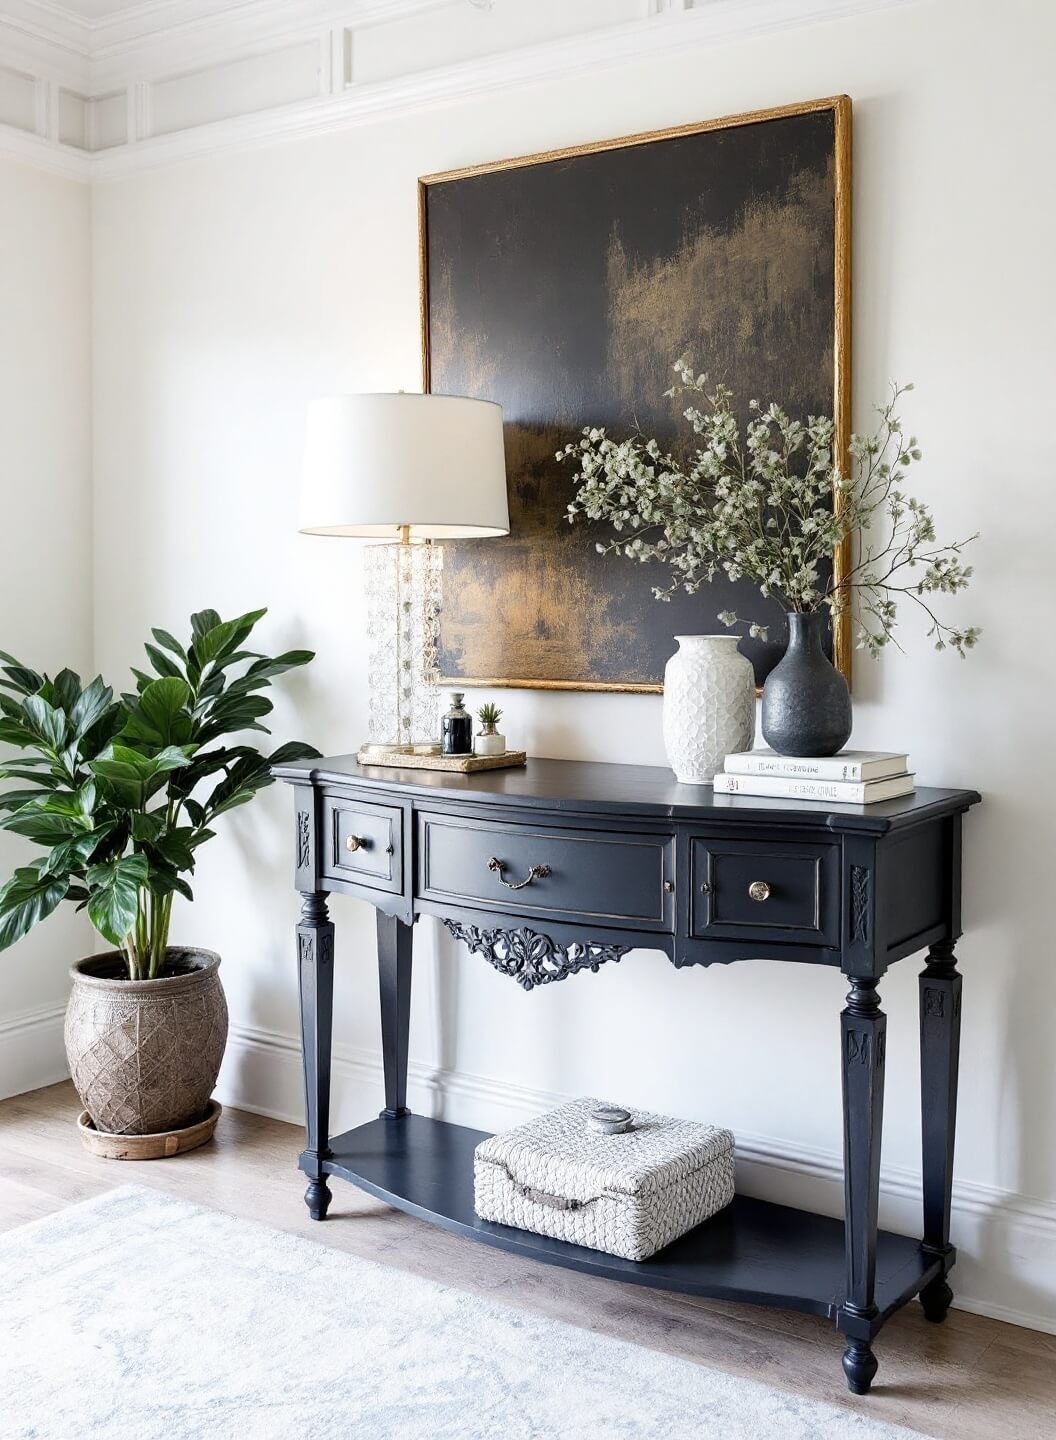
[403, 584]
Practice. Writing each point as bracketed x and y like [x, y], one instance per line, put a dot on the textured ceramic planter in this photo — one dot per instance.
[144, 1054]
[806, 706]
[709, 706]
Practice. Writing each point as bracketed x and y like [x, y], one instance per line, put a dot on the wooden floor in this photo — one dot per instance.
[969, 1379]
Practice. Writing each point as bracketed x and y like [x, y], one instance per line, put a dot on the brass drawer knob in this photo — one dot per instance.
[354, 842]
[759, 890]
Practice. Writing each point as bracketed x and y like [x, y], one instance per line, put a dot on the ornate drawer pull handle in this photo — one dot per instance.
[537, 872]
[759, 890]
[355, 842]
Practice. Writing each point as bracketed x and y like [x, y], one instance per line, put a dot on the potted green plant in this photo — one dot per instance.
[487, 740]
[122, 793]
[769, 503]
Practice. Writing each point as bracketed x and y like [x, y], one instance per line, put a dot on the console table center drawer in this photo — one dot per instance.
[527, 868]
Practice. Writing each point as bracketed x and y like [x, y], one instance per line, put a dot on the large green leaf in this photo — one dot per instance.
[19, 677]
[169, 642]
[132, 778]
[29, 768]
[15, 731]
[208, 762]
[241, 783]
[27, 897]
[174, 846]
[98, 737]
[293, 750]
[223, 638]
[160, 716]
[161, 662]
[113, 896]
[164, 879]
[147, 824]
[90, 707]
[204, 621]
[65, 690]
[45, 722]
[74, 853]
[47, 826]
[262, 671]
[232, 713]
[16, 799]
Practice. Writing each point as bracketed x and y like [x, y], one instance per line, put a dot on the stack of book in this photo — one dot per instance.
[854, 777]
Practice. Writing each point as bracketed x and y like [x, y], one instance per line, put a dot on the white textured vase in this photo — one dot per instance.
[709, 706]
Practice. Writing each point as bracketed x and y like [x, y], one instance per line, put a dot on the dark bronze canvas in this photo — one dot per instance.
[564, 287]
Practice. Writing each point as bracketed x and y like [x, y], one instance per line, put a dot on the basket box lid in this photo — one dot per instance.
[561, 1152]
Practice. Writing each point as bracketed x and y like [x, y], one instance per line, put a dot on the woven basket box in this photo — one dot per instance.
[628, 1194]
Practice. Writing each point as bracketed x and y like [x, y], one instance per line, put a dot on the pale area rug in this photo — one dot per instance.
[135, 1316]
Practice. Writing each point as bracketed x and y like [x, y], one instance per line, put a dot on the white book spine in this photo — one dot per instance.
[787, 767]
[845, 791]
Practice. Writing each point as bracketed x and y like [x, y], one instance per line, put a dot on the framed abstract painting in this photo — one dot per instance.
[564, 286]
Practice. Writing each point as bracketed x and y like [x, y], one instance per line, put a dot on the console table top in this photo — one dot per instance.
[592, 786]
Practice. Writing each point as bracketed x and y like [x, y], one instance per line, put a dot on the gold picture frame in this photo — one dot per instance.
[840, 108]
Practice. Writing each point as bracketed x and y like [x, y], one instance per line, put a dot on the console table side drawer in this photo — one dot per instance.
[363, 843]
[763, 890]
[570, 874]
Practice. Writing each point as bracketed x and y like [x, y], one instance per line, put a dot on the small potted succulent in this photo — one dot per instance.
[487, 740]
[122, 793]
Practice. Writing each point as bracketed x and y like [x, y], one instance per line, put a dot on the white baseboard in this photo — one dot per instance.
[32, 1053]
[1006, 1267]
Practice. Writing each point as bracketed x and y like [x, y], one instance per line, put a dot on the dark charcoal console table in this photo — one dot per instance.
[565, 866]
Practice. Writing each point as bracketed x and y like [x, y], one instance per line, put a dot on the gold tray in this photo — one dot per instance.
[460, 764]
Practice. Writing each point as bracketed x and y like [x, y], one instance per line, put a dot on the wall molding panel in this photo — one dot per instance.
[168, 80]
[1006, 1242]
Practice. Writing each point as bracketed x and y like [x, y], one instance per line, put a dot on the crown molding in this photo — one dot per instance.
[294, 64]
[47, 155]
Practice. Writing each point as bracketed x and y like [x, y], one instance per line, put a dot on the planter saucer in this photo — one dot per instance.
[148, 1147]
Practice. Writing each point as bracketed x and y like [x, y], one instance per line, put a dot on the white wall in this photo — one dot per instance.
[229, 290]
[45, 525]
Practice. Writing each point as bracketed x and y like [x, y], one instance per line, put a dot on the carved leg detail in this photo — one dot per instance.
[317, 1197]
[315, 958]
[860, 1366]
[940, 1037]
[395, 940]
[863, 1032]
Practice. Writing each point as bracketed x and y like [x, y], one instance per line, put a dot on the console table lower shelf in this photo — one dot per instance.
[753, 1251]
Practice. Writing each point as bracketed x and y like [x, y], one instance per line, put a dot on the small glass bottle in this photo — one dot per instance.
[456, 729]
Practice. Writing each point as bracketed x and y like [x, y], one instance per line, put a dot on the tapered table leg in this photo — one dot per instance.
[940, 1039]
[315, 961]
[863, 1031]
[395, 944]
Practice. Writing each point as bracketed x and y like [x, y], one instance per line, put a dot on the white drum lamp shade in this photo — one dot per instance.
[374, 464]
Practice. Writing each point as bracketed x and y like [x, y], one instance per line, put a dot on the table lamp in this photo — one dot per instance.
[409, 470]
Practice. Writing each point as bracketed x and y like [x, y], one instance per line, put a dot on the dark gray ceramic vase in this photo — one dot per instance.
[806, 702]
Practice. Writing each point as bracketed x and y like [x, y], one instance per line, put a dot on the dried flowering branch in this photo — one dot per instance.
[772, 506]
